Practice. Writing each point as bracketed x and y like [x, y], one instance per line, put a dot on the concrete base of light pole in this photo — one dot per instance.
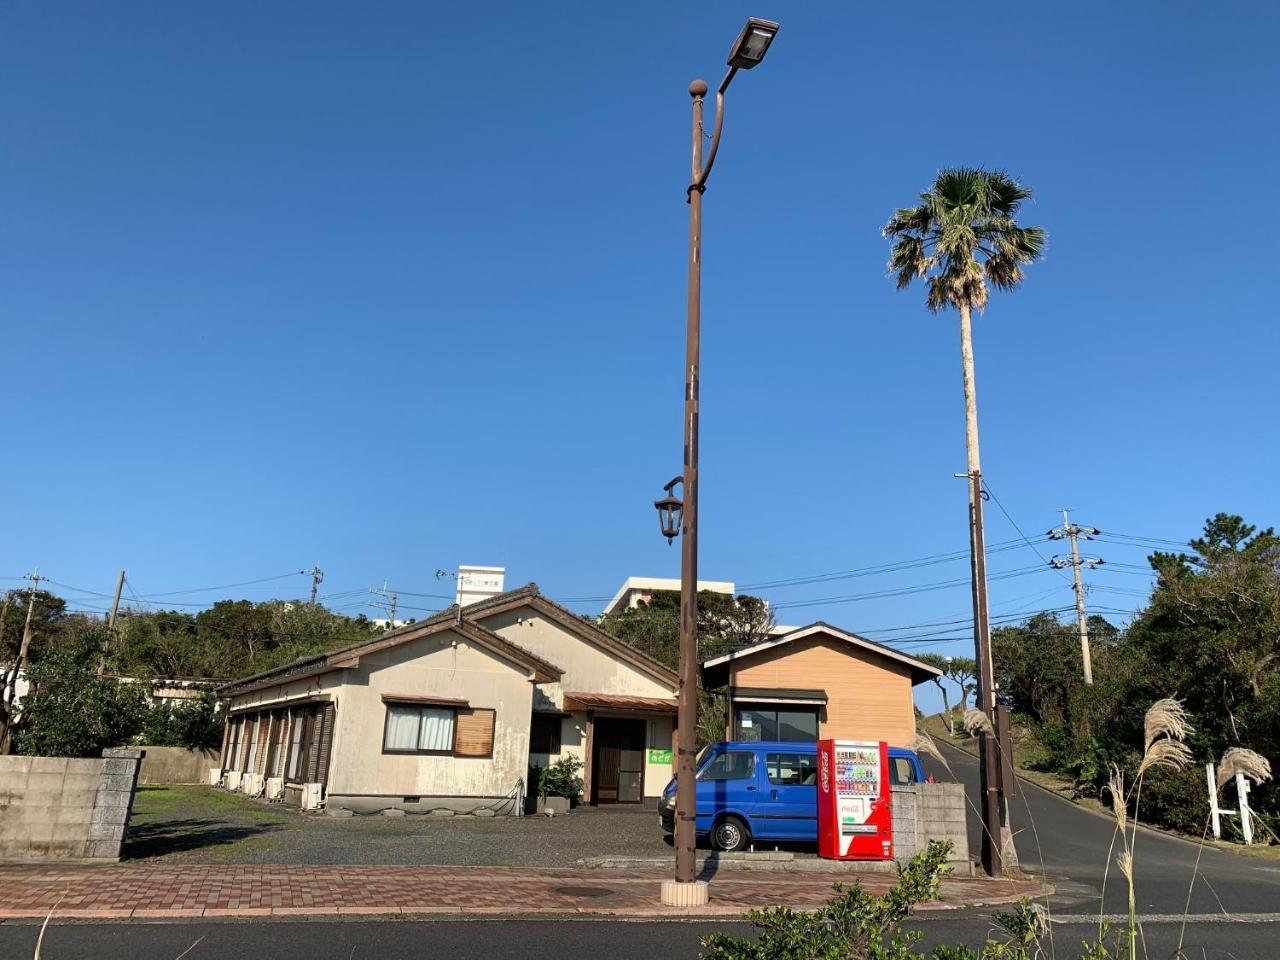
[677, 894]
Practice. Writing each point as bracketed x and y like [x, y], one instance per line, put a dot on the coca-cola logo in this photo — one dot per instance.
[824, 773]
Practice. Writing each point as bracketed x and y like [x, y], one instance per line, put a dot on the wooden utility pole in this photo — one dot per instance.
[1072, 532]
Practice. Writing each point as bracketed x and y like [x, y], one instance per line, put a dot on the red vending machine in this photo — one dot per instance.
[854, 816]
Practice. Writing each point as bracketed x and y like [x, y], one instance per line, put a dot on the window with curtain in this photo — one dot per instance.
[415, 729]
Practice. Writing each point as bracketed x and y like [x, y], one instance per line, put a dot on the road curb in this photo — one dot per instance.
[427, 912]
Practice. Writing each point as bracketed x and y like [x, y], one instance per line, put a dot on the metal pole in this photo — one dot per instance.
[988, 768]
[687, 711]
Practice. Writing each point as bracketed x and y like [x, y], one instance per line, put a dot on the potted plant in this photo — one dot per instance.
[559, 785]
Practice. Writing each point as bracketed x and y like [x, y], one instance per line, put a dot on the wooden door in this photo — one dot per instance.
[618, 768]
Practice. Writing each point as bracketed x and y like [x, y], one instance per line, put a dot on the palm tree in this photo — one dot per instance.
[963, 234]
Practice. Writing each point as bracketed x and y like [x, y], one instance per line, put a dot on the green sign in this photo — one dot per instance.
[659, 756]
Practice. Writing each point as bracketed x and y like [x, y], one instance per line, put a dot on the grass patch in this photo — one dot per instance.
[190, 801]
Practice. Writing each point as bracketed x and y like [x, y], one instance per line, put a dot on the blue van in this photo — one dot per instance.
[764, 790]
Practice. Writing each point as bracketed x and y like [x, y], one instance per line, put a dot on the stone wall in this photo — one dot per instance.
[58, 808]
[177, 765]
[931, 811]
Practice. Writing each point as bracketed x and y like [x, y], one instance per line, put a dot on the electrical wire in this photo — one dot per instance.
[226, 586]
[906, 591]
[893, 567]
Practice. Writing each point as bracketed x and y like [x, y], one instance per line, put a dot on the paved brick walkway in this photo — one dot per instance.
[207, 890]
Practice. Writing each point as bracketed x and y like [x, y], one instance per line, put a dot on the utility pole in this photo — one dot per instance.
[995, 810]
[115, 603]
[317, 578]
[392, 599]
[1071, 531]
[11, 688]
[111, 620]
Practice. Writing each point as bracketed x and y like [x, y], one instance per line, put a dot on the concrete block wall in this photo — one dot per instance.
[177, 765]
[923, 812]
[60, 808]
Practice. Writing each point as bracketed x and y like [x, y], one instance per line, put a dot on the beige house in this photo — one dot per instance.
[459, 711]
[819, 682]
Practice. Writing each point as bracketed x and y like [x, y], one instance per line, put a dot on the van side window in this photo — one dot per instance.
[901, 771]
[792, 769]
[730, 765]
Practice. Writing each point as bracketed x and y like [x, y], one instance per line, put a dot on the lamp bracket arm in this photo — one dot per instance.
[700, 176]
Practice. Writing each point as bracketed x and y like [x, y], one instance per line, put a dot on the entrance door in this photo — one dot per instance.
[618, 765]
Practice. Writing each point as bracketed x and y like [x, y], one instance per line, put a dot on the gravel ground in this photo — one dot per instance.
[193, 824]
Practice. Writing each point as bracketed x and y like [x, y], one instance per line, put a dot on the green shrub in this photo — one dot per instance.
[853, 923]
[561, 779]
[194, 724]
[73, 712]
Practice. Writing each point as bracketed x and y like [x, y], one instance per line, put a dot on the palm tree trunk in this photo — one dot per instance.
[986, 682]
[970, 391]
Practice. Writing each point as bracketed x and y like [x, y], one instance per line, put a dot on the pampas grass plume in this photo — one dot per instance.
[976, 722]
[1242, 760]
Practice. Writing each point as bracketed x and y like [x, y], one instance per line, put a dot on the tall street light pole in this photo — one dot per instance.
[686, 890]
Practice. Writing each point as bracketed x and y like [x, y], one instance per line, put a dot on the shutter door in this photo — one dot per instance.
[473, 735]
[325, 744]
[226, 742]
[260, 755]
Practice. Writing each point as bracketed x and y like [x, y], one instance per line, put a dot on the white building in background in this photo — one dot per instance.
[478, 583]
[637, 590]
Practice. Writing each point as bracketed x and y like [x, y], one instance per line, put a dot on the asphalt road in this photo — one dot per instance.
[1069, 845]
[527, 939]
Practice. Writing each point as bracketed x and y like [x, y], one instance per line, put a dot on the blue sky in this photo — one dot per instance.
[393, 288]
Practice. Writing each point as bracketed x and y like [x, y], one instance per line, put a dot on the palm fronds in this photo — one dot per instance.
[962, 234]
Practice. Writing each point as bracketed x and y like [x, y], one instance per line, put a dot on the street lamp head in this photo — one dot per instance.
[752, 43]
[670, 511]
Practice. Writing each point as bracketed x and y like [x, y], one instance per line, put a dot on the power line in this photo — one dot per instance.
[986, 486]
[228, 586]
[873, 570]
[904, 591]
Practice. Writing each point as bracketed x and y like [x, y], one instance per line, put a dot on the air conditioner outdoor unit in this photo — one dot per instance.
[231, 779]
[311, 796]
[251, 784]
[215, 776]
[275, 788]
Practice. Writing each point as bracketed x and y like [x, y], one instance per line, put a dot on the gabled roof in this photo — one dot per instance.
[349, 656]
[530, 596]
[920, 671]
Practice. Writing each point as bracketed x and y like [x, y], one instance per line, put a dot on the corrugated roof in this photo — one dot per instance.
[617, 701]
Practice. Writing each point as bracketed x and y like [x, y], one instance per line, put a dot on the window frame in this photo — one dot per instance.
[894, 768]
[775, 757]
[741, 706]
[419, 706]
[749, 775]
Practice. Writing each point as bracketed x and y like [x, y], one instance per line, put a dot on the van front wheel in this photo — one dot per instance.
[730, 834]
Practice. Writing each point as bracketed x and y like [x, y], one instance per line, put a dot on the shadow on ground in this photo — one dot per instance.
[147, 841]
